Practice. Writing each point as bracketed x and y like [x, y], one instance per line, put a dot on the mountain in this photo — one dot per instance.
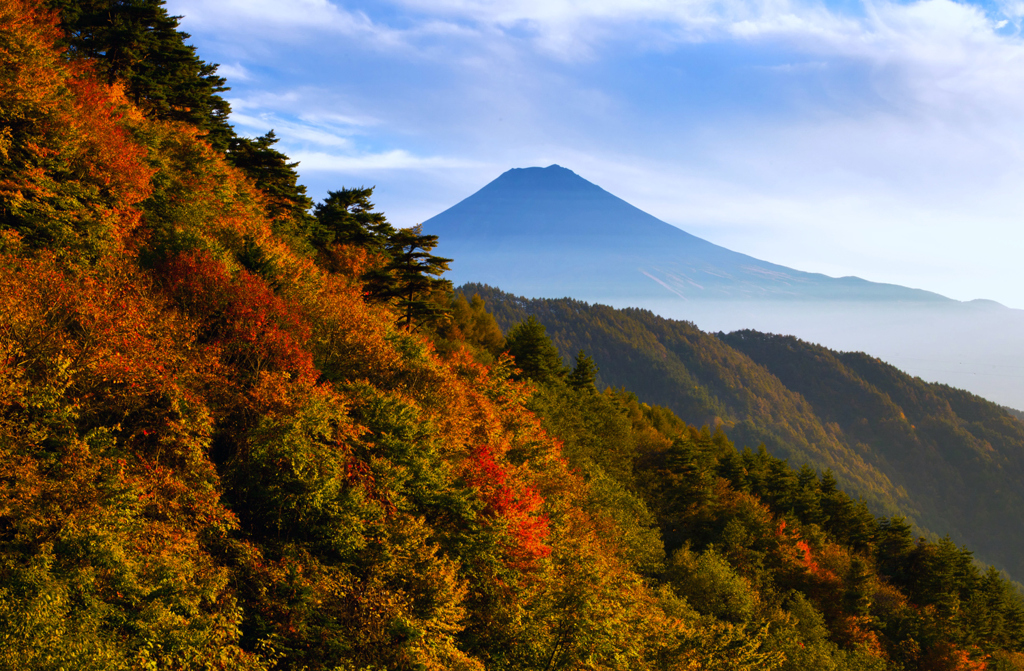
[549, 233]
[926, 451]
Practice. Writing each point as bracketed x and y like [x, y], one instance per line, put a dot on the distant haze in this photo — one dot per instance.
[546, 232]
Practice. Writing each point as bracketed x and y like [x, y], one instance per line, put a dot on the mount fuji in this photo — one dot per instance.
[548, 231]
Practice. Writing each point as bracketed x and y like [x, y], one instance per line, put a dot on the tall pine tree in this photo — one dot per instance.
[138, 43]
[413, 276]
[276, 177]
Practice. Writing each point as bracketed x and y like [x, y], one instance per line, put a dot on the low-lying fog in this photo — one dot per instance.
[975, 346]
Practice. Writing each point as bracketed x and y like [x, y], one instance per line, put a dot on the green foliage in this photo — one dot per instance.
[346, 217]
[536, 356]
[276, 177]
[584, 373]
[907, 448]
[471, 325]
[412, 277]
[701, 379]
[711, 585]
[402, 269]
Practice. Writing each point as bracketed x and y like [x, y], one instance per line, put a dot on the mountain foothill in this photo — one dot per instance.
[948, 460]
[243, 430]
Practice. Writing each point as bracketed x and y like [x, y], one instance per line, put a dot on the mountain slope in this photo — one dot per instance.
[548, 231]
[219, 450]
[947, 459]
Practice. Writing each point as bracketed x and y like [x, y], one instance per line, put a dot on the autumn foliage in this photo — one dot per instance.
[215, 452]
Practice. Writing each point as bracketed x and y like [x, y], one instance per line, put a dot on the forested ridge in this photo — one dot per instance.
[949, 461]
[242, 431]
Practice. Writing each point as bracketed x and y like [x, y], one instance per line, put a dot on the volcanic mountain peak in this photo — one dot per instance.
[549, 232]
[552, 177]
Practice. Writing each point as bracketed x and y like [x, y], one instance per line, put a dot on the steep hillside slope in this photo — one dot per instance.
[960, 456]
[237, 434]
[947, 459]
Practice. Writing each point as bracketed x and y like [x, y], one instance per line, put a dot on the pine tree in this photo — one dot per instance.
[895, 543]
[276, 177]
[807, 498]
[412, 276]
[536, 356]
[138, 42]
[346, 217]
[584, 373]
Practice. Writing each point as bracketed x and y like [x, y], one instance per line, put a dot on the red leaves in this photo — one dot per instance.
[71, 174]
[257, 330]
[512, 504]
[108, 154]
[808, 559]
[945, 656]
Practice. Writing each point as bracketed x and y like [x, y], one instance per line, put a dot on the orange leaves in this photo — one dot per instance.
[30, 75]
[197, 196]
[352, 261]
[104, 462]
[351, 340]
[947, 657]
[117, 385]
[72, 174]
[109, 156]
[102, 354]
[808, 559]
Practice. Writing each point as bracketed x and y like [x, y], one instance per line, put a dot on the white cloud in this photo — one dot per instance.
[285, 20]
[1013, 10]
[233, 72]
[304, 115]
[319, 14]
[397, 159]
[944, 49]
[311, 132]
[929, 31]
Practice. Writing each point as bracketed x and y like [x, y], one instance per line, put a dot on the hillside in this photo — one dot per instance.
[240, 431]
[946, 459]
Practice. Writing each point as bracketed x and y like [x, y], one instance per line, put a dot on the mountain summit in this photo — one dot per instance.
[549, 232]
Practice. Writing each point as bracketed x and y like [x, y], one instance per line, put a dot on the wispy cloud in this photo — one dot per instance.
[390, 160]
[233, 72]
[939, 32]
[287, 20]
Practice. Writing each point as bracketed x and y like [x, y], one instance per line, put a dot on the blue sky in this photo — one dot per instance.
[878, 139]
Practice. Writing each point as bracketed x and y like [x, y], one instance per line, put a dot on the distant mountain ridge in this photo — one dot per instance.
[949, 460]
[547, 231]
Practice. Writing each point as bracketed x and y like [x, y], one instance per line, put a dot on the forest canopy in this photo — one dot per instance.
[241, 432]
